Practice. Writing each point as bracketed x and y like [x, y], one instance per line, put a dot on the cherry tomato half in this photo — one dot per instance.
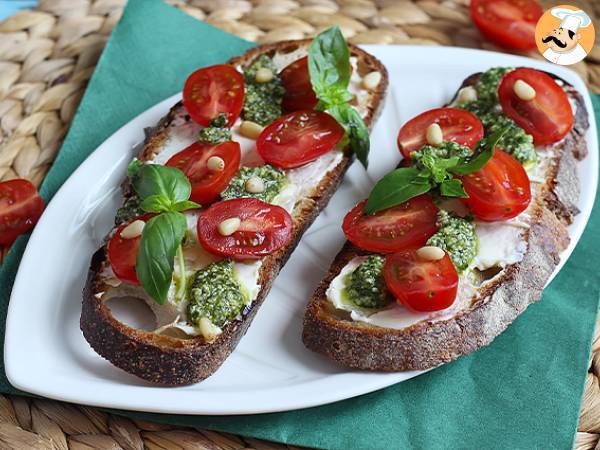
[299, 93]
[419, 284]
[458, 125]
[298, 138]
[548, 117]
[499, 191]
[122, 253]
[263, 229]
[508, 23]
[213, 90]
[406, 225]
[20, 208]
[207, 184]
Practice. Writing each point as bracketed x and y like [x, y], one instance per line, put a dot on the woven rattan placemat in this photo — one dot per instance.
[46, 58]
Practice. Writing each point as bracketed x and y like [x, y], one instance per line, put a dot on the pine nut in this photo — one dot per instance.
[208, 330]
[263, 75]
[371, 80]
[430, 253]
[250, 129]
[215, 163]
[524, 90]
[255, 185]
[467, 94]
[229, 226]
[434, 135]
[133, 230]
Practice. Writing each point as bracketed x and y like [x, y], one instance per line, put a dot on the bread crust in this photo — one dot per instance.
[172, 361]
[429, 344]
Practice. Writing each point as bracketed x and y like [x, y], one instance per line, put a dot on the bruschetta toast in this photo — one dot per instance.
[422, 282]
[260, 186]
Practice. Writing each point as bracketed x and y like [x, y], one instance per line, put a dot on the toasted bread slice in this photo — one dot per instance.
[170, 359]
[502, 295]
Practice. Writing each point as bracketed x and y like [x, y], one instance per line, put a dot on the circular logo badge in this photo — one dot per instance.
[565, 35]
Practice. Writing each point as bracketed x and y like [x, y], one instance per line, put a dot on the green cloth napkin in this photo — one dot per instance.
[523, 391]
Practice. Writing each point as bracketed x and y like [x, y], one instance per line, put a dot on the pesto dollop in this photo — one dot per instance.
[130, 210]
[457, 237]
[216, 294]
[274, 181]
[515, 141]
[487, 85]
[262, 101]
[365, 286]
[217, 132]
[445, 150]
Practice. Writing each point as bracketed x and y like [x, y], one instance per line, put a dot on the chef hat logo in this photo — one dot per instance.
[565, 34]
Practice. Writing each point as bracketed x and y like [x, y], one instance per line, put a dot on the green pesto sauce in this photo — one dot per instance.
[214, 135]
[216, 294]
[262, 101]
[445, 150]
[457, 237]
[516, 141]
[487, 86]
[130, 210]
[217, 132]
[274, 181]
[365, 287]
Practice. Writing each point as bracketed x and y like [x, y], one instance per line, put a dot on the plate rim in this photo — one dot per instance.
[19, 378]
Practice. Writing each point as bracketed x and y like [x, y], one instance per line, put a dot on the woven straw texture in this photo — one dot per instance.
[46, 59]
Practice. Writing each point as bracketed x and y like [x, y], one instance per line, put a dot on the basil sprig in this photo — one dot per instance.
[329, 68]
[432, 171]
[166, 192]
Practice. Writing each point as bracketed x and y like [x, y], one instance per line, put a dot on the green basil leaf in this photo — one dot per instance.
[453, 188]
[329, 63]
[161, 237]
[134, 167]
[185, 205]
[156, 204]
[356, 130]
[170, 182]
[483, 153]
[437, 168]
[397, 187]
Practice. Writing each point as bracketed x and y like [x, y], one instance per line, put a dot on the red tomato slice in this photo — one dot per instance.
[207, 184]
[407, 225]
[500, 190]
[264, 228]
[299, 93]
[298, 138]
[458, 125]
[418, 284]
[508, 23]
[548, 117]
[20, 208]
[122, 253]
[213, 90]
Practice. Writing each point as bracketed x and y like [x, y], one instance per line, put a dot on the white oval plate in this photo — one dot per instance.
[271, 370]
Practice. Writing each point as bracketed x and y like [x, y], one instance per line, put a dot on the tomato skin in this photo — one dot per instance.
[212, 90]
[548, 117]
[500, 190]
[122, 253]
[264, 228]
[507, 23]
[458, 125]
[20, 208]
[299, 93]
[207, 184]
[407, 225]
[421, 285]
[298, 138]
